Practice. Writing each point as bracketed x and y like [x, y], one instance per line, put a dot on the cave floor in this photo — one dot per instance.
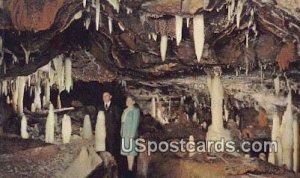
[34, 158]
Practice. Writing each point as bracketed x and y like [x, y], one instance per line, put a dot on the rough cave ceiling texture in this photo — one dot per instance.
[263, 40]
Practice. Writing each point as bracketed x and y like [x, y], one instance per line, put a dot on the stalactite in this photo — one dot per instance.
[28, 80]
[87, 132]
[199, 35]
[4, 67]
[68, 75]
[226, 113]
[1, 51]
[24, 133]
[59, 106]
[286, 132]
[239, 10]
[163, 47]
[15, 95]
[37, 97]
[187, 22]
[21, 88]
[296, 146]
[128, 10]
[98, 14]
[27, 54]
[121, 26]
[110, 25]
[179, 22]
[50, 123]
[78, 15]
[153, 107]
[115, 4]
[58, 75]
[47, 92]
[230, 9]
[277, 85]
[84, 3]
[66, 130]
[247, 40]
[4, 87]
[154, 36]
[100, 132]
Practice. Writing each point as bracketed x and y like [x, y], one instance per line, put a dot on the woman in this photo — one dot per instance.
[129, 127]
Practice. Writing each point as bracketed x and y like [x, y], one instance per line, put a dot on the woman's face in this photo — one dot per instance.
[129, 102]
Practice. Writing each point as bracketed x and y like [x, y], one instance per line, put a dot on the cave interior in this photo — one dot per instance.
[198, 70]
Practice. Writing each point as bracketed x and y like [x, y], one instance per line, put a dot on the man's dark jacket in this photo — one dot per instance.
[113, 126]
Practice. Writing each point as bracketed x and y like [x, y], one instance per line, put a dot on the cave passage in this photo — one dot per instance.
[149, 88]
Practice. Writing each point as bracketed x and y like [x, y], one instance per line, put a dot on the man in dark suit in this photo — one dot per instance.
[112, 125]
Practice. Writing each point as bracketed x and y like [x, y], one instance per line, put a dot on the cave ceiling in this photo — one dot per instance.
[248, 39]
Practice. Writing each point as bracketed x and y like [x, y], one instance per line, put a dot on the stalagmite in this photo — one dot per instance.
[153, 107]
[191, 148]
[286, 133]
[100, 132]
[85, 163]
[33, 108]
[199, 35]
[49, 132]
[68, 75]
[98, 14]
[179, 22]
[159, 116]
[275, 136]
[21, 89]
[59, 106]
[66, 130]
[8, 100]
[110, 25]
[216, 130]
[84, 3]
[296, 146]
[24, 133]
[163, 47]
[239, 10]
[115, 4]
[277, 85]
[87, 132]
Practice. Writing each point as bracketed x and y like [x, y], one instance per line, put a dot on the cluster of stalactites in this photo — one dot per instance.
[58, 74]
[97, 5]
[199, 35]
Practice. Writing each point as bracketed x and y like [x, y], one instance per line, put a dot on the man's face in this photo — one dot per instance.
[106, 97]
